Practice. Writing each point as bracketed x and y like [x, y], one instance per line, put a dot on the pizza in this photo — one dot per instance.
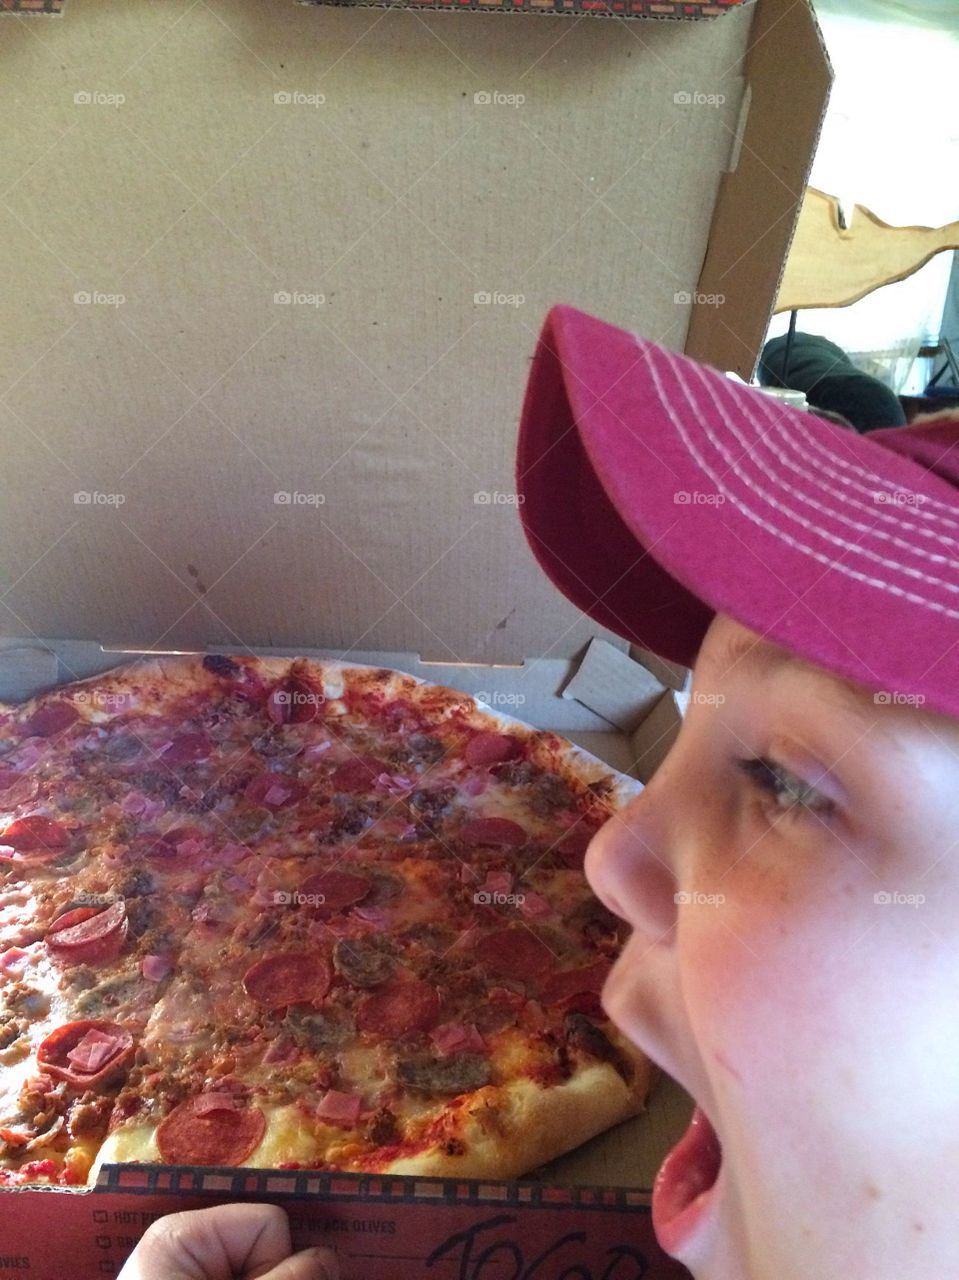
[283, 913]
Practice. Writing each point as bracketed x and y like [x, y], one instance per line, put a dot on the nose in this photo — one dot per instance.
[628, 866]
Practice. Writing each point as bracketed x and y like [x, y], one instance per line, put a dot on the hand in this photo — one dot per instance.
[228, 1242]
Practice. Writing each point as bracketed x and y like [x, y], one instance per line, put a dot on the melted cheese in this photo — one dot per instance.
[362, 1068]
[289, 1137]
[135, 1142]
[514, 1053]
[18, 1061]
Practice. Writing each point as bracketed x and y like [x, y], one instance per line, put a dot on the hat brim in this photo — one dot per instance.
[656, 492]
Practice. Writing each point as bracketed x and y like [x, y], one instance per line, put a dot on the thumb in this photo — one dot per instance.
[310, 1264]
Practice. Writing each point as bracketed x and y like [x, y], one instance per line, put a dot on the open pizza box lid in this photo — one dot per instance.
[274, 276]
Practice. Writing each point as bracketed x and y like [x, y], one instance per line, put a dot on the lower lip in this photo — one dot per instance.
[685, 1188]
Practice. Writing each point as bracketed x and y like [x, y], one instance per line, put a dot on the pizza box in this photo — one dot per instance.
[274, 275]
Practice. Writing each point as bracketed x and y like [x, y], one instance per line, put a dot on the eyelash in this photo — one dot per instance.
[777, 781]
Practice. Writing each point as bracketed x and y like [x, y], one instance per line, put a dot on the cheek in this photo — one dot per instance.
[760, 1000]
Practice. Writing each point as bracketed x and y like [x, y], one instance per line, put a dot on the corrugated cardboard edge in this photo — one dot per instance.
[645, 10]
[789, 77]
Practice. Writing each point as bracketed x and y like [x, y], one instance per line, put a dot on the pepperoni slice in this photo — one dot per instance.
[515, 953]
[91, 939]
[492, 831]
[396, 1010]
[333, 891]
[491, 748]
[70, 918]
[35, 834]
[274, 790]
[50, 719]
[359, 774]
[217, 1136]
[87, 1052]
[288, 977]
[574, 982]
[187, 748]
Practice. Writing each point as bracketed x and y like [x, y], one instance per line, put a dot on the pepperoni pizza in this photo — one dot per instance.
[285, 913]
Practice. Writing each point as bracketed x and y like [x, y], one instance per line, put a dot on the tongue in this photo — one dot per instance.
[690, 1169]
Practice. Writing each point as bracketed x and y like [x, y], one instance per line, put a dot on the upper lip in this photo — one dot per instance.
[656, 1050]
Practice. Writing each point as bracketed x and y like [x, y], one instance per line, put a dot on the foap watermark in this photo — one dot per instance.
[85, 899]
[694, 98]
[284, 298]
[285, 498]
[893, 698]
[685, 298]
[294, 898]
[298, 698]
[104, 699]
[84, 498]
[492, 898]
[897, 899]
[94, 298]
[98, 98]
[297, 98]
[493, 698]
[486, 498]
[694, 898]
[899, 498]
[697, 498]
[487, 298]
[496, 98]
[709, 699]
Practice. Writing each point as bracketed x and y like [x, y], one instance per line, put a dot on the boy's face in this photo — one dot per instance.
[794, 964]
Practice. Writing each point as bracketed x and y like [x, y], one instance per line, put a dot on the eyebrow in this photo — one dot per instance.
[845, 695]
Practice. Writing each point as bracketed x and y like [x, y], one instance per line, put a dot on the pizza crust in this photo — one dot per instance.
[510, 1129]
[176, 675]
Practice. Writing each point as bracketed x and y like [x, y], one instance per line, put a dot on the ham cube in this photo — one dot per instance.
[340, 1108]
[458, 1037]
[155, 968]
[204, 1103]
[93, 1052]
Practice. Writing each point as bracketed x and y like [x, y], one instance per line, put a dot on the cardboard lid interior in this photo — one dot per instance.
[273, 280]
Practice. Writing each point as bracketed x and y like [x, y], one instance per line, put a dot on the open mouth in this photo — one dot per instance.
[684, 1189]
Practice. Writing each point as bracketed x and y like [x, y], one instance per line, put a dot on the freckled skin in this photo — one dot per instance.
[816, 1026]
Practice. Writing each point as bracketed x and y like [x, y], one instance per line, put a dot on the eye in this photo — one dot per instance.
[791, 794]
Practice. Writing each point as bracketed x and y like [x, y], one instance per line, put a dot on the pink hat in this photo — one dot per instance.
[657, 492]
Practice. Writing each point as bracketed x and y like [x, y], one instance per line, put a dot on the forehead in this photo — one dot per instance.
[728, 644]
[732, 652]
